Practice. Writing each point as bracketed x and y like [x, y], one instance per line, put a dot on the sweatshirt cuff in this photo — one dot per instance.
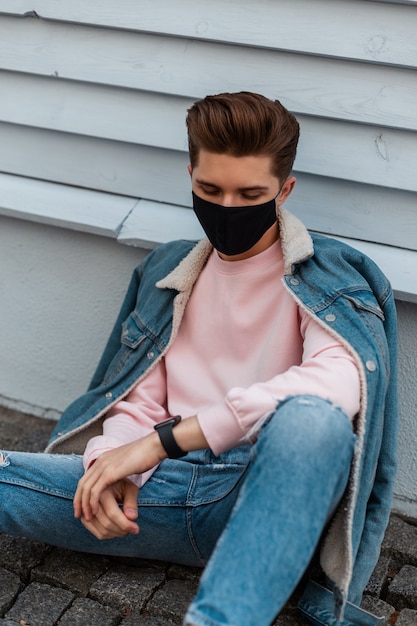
[100, 444]
[221, 428]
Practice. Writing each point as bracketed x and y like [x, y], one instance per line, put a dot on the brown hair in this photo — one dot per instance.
[244, 124]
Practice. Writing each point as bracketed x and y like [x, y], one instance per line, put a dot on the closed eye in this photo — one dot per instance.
[248, 196]
[210, 192]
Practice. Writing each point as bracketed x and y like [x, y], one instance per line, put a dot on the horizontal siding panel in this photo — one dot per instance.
[362, 212]
[383, 34]
[109, 166]
[409, 2]
[310, 85]
[94, 110]
[335, 149]
[153, 223]
[59, 205]
[367, 154]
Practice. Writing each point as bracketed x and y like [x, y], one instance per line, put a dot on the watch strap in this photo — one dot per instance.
[164, 430]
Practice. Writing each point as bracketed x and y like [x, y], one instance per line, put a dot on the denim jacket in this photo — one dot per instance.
[347, 293]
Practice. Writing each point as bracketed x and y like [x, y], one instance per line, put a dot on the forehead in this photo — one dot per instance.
[219, 169]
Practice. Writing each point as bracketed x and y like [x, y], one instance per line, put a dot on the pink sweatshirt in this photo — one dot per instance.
[243, 345]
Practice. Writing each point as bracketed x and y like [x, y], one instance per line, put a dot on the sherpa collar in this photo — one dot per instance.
[297, 246]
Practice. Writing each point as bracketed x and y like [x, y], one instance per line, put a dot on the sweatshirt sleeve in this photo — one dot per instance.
[132, 418]
[326, 370]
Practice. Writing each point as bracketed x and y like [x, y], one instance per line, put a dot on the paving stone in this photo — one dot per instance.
[407, 617]
[402, 592]
[183, 572]
[380, 578]
[131, 561]
[400, 542]
[85, 611]
[127, 589]
[40, 605]
[379, 608]
[71, 570]
[173, 599]
[137, 619]
[9, 588]
[21, 555]
[8, 622]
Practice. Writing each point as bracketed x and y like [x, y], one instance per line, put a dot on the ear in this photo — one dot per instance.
[190, 169]
[286, 190]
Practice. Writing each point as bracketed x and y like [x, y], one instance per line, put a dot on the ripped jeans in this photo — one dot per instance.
[254, 515]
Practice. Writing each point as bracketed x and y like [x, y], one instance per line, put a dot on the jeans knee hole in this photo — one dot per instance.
[4, 460]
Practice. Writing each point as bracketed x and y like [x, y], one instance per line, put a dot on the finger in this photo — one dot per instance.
[90, 488]
[96, 480]
[110, 523]
[81, 497]
[82, 501]
[100, 530]
[116, 518]
[77, 502]
[130, 500]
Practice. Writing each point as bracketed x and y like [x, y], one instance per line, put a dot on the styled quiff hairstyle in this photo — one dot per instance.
[244, 124]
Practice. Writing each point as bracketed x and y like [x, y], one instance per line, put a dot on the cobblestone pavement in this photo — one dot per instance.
[45, 586]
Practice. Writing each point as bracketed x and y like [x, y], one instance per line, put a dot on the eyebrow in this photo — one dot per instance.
[249, 188]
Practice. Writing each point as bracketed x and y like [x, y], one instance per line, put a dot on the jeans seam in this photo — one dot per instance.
[40, 489]
[189, 515]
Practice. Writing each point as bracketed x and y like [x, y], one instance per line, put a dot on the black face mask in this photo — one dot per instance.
[234, 230]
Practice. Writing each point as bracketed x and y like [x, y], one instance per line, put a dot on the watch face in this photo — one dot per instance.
[172, 421]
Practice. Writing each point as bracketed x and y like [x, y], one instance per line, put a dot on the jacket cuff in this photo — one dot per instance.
[317, 605]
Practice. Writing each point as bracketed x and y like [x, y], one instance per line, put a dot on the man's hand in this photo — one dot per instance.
[105, 484]
[111, 521]
[110, 470]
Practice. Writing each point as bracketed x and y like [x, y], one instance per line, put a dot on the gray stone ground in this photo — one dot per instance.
[45, 586]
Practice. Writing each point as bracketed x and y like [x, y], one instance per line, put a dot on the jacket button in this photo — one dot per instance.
[294, 281]
[109, 395]
[330, 317]
[370, 366]
[150, 355]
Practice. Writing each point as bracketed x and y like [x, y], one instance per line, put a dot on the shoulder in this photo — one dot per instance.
[166, 257]
[332, 250]
[338, 266]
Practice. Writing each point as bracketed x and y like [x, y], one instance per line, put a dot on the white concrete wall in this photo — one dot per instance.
[60, 293]
[406, 486]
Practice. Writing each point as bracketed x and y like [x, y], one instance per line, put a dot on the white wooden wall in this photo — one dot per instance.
[93, 96]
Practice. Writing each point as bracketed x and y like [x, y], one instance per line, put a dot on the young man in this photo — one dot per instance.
[277, 348]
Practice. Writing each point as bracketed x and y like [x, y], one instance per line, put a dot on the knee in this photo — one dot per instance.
[309, 422]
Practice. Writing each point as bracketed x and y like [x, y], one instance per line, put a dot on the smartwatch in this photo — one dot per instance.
[164, 430]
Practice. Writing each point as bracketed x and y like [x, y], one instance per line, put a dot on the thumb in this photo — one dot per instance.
[130, 500]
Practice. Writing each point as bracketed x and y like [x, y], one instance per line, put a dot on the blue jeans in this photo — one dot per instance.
[254, 514]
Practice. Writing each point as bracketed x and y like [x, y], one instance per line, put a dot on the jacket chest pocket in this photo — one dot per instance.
[133, 344]
[132, 336]
[372, 318]
[365, 301]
